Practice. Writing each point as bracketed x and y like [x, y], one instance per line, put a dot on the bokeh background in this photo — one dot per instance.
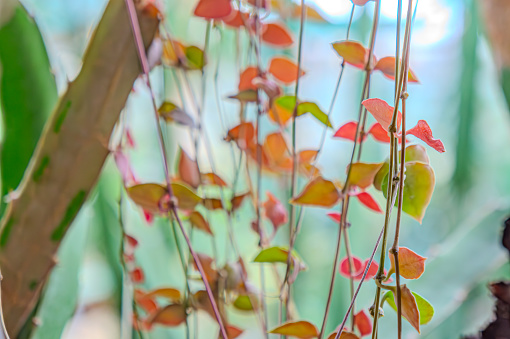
[459, 95]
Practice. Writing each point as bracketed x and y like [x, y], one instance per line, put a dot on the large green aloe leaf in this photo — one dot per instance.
[27, 92]
[68, 160]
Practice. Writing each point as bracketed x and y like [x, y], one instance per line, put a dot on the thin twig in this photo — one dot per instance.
[145, 67]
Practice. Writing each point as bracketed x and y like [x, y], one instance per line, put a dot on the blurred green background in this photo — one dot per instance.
[459, 95]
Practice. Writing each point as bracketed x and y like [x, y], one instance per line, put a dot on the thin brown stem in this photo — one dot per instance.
[135, 26]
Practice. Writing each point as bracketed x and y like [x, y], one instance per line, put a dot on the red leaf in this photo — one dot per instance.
[149, 217]
[146, 303]
[422, 131]
[233, 332]
[363, 323]
[277, 35]
[131, 241]
[137, 275]
[348, 131]
[235, 19]
[284, 70]
[335, 216]
[367, 200]
[356, 270]
[213, 9]
[275, 211]
[382, 112]
[379, 133]
[372, 271]
[246, 78]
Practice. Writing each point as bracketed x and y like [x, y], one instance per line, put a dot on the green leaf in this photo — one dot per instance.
[278, 254]
[288, 102]
[27, 94]
[195, 57]
[425, 308]
[244, 302]
[313, 109]
[418, 188]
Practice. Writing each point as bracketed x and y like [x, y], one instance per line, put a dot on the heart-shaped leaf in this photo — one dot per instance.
[171, 316]
[363, 323]
[362, 174]
[277, 35]
[410, 309]
[424, 307]
[382, 112]
[246, 78]
[213, 9]
[387, 66]
[348, 131]
[318, 192]
[411, 265]
[352, 53]
[379, 133]
[345, 267]
[284, 70]
[275, 211]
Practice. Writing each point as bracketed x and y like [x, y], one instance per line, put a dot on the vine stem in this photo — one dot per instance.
[292, 232]
[135, 26]
[395, 248]
[370, 260]
[402, 85]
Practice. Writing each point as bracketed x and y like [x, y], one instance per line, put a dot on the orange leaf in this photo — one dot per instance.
[348, 131]
[422, 131]
[145, 302]
[212, 203]
[235, 19]
[409, 306]
[352, 53]
[171, 316]
[298, 329]
[345, 269]
[207, 262]
[243, 134]
[232, 332]
[344, 335]
[363, 323]
[411, 265]
[318, 192]
[246, 78]
[197, 220]
[379, 133]
[213, 179]
[238, 200]
[367, 200]
[382, 112]
[173, 52]
[387, 66]
[276, 148]
[279, 114]
[307, 156]
[213, 9]
[284, 70]
[276, 35]
[188, 169]
[362, 174]
[169, 293]
[275, 211]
